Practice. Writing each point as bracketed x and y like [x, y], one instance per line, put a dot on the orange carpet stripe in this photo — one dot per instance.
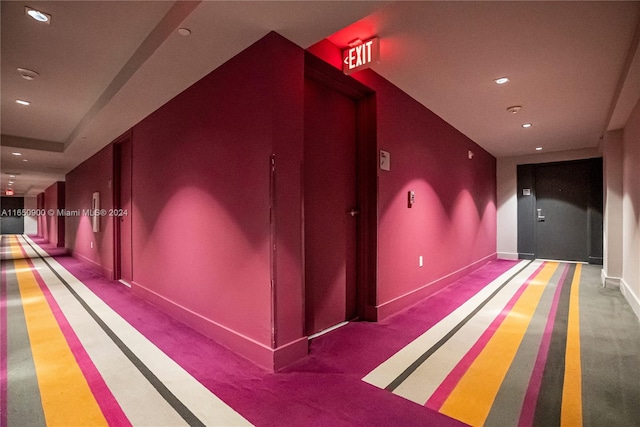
[67, 399]
[571, 413]
[471, 400]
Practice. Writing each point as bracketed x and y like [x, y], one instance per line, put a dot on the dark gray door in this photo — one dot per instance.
[12, 221]
[568, 211]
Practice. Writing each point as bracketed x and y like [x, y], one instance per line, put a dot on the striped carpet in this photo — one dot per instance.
[510, 344]
[509, 356]
[69, 360]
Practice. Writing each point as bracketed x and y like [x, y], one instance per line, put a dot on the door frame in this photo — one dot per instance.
[366, 182]
[527, 225]
[115, 193]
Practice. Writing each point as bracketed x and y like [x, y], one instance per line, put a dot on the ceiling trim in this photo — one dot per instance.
[174, 17]
[31, 143]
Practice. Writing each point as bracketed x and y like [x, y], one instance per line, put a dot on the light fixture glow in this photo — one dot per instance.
[527, 125]
[37, 15]
[22, 102]
[15, 153]
[28, 74]
[12, 176]
[538, 148]
[502, 80]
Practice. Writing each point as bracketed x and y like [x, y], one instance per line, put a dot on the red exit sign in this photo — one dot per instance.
[360, 56]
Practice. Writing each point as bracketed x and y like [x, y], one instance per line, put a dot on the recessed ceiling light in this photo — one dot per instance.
[11, 182]
[502, 80]
[184, 31]
[538, 148]
[12, 176]
[28, 74]
[15, 153]
[25, 160]
[37, 15]
[514, 109]
[22, 102]
[527, 125]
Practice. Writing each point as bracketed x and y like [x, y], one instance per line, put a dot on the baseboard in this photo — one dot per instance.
[106, 272]
[511, 256]
[257, 352]
[609, 281]
[291, 352]
[398, 304]
[631, 298]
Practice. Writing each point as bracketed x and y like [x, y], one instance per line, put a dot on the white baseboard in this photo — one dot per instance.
[609, 281]
[508, 255]
[632, 298]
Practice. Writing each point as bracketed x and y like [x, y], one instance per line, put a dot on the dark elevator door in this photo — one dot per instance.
[329, 198]
[568, 210]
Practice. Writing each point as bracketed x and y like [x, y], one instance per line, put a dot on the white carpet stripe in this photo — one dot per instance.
[390, 369]
[425, 380]
[201, 402]
[139, 400]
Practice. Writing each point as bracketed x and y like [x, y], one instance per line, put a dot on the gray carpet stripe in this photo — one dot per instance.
[420, 360]
[177, 405]
[610, 355]
[549, 402]
[510, 398]
[24, 405]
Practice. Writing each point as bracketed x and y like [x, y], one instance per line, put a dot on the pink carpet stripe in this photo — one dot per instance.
[443, 391]
[3, 344]
[108, 404]
[531, 397]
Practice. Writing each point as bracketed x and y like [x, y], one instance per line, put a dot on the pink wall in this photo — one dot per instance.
[453, 222]
[202, 232]
[93, 175]
[52, 226]
[201, 201]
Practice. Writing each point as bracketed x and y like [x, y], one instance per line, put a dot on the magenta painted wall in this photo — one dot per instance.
[93, 175]
[52, 226]
[201, 199]
[210, 232]
[452, 224]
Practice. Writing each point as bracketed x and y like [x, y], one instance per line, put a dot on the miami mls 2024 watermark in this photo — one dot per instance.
[64, 212]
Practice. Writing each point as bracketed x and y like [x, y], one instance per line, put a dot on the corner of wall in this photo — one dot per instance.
[608, 281]
[511, 256]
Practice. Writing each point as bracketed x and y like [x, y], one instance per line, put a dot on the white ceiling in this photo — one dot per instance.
[105, 65]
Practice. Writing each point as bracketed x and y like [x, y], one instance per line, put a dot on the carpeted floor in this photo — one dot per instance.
[468, 354]
[522, 351]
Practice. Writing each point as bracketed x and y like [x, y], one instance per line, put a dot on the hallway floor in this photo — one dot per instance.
[514, 343]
